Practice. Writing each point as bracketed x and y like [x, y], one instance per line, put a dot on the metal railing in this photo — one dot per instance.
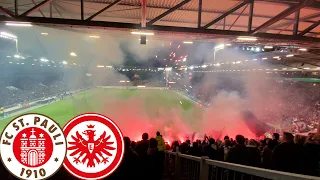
[185, 167]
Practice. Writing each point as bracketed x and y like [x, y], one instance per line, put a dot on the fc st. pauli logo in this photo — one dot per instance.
[32, 147]
[95, 146]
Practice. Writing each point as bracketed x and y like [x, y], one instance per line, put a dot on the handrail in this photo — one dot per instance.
[265, 173]
[198, 159]
[205, 163]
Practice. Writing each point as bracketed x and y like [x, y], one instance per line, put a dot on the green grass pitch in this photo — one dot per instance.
[115, 103]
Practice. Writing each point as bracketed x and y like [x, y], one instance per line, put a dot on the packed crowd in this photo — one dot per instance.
[145, 159]
[290, 105]
[13, 95]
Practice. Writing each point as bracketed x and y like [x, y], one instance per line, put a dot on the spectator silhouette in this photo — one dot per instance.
[285, 155]
[143, 145]
[238, 154]
[154, 161]
[254, 158]
[212, 150]
[128, 168]
[267, 154]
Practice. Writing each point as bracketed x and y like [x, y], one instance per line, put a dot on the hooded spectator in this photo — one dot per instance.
[285, 155]
[238, 154]
[254, 158]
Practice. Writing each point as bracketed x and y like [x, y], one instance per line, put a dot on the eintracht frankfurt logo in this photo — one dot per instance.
[95, 146]
[32, 147]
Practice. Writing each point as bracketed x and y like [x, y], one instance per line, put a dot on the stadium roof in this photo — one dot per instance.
[286, 23]
[270, 16]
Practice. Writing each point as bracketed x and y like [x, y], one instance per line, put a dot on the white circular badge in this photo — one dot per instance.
[32, 146]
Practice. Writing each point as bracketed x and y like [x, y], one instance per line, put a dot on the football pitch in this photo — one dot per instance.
[132, 109]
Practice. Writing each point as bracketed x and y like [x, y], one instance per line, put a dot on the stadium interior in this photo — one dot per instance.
[198, 71]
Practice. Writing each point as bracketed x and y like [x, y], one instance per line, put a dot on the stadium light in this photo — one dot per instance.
[73, 54]
[187, 42]
[93, 36]
[302, 49]
[247, 38]
[19, 24]
[44, 60]
[8, 35]
[219, 47]
[142, 33]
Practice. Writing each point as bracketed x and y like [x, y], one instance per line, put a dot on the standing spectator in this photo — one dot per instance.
[143, 145]
[254, 158]
[285, 155]
[275, 138]
[238, 154]
[212, 150]
[128, 168]
[161, 148]
[267, 154]
[154, 161]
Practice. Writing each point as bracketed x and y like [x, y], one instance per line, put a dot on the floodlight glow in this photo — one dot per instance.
[16, 56]
[7, 35]
[73, 54]
[191, 67]
[302, 49]
[44, 60]
[247, 38]
[258, 49]
[143, 33]
[64, 62]
[219, 47]
[97, 37]
[19, 24]
[204, 66]
[187, 42]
